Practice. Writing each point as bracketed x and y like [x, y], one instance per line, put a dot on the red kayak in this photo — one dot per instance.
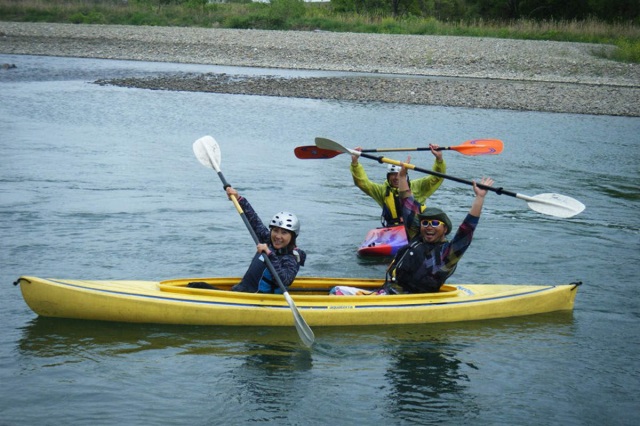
[383, 241]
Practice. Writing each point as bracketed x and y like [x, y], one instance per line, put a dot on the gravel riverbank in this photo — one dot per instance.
[472, 72]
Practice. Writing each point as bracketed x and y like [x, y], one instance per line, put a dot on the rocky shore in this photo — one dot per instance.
[429, 70]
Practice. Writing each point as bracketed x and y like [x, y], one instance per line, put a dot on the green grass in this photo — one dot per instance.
[293, 15]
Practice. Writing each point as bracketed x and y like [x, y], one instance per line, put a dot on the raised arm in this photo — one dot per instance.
[403, 186]
[478, 201]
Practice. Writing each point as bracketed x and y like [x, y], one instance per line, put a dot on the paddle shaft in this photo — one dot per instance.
[304, 331]
[238, 207]
[470, 147]
[498, 191]
[424, 148]
[207, 156]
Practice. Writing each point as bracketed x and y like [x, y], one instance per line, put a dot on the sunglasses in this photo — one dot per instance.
[433, 222]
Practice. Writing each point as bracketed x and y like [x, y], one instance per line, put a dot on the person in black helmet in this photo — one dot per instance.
[278, 242]
[430, 258]
[386, 193]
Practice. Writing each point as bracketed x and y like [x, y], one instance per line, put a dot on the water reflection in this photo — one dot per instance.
[271, 378]
[269, 348]
[400, 373]
[427, 367]
[277, 356]
[426, 378]
[53, 337]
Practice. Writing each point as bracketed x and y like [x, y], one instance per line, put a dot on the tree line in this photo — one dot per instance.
[456, 10]
[453, 10]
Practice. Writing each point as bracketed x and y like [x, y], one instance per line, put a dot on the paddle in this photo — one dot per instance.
[208, 153]
[550, 204]
[472, 147]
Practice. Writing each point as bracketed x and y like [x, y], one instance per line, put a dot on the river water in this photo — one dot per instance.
[100, 182]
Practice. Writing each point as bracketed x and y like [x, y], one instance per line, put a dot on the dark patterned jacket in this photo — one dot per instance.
[286, 262]
[439, 260]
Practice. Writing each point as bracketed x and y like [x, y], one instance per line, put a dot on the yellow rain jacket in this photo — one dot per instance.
[387, 197]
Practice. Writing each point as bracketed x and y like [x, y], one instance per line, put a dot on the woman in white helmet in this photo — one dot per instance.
[278, 242]
[386, 193]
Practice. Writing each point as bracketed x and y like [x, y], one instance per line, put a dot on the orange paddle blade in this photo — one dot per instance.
[479, 147]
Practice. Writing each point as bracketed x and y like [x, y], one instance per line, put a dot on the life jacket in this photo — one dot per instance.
[408, 271]
[260, 274]
[390, 216]
[392, 208]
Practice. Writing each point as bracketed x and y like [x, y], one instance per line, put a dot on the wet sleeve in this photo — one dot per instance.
[410, 211]
[372, 189]
[461, 241]
[264, 236]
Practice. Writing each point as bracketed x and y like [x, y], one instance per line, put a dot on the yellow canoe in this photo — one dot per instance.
[172, 302]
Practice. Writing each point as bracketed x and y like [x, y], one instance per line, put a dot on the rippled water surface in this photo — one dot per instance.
[100, 182]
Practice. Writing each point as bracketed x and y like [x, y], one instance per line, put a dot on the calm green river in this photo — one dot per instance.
[100, 182]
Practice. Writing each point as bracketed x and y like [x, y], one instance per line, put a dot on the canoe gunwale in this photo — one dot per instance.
[301, 287]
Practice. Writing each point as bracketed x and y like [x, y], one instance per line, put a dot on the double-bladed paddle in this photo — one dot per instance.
[208, 153]
[471, 147]
[551, 204]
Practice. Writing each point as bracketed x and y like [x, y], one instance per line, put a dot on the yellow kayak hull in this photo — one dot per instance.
[172, 302]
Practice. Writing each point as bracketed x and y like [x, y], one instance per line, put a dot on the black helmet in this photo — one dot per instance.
[435, 213]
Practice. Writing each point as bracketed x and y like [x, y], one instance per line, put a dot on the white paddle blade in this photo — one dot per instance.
[304, 331]
[554, 204]
[325, 143]
[207, 152]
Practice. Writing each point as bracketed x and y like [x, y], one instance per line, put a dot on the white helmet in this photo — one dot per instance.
[286, 220]
[392, 168]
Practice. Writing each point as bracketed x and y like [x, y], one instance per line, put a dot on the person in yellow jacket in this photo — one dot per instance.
[386, 193]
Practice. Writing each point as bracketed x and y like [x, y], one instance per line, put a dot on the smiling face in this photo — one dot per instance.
[280, 238]
[394, 179]
[430, 233]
